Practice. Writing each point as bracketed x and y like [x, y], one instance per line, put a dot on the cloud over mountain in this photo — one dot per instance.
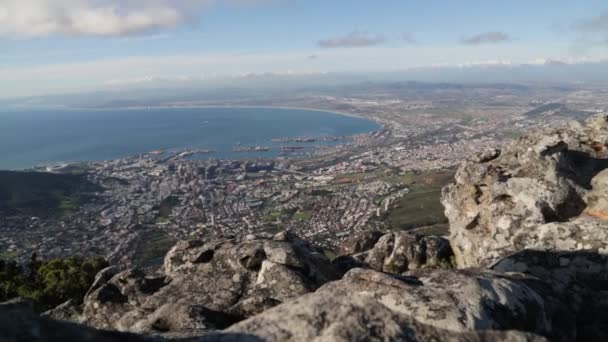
[38, 18]
[491, 37]
[353, 39]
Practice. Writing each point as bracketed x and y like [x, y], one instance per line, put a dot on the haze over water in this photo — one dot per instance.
[29, 138]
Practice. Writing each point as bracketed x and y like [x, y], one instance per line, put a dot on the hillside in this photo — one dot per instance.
[42, 194]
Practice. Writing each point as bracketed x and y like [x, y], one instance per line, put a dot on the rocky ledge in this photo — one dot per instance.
[547, 190]
[526, 260]
[204, 286]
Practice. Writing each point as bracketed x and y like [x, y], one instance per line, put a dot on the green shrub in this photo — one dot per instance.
[49, 283]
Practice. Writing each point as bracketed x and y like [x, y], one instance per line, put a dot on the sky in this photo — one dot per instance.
[63, 46]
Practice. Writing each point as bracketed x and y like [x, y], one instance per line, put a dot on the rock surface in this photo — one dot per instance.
[445, 305]
[23, 326]
[207, 285]
[547, 190]
[579, 279]
[395, 252]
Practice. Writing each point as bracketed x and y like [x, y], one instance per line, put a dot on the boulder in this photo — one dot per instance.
[399, 252]
[207, 285]
[67, 311]
[19, 325]
[22, 325]
[546, 191]
[579, 278]
[359, 242]
[367, 305]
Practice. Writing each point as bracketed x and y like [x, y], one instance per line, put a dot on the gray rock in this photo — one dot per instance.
[359, 242]
[399, 252]
[21, 325]
[579, 278]
[68, 311]
[546, 190]
[370, 306]
[208, 285]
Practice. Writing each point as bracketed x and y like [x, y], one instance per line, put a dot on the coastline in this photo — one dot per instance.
[330, 111]
[379, 127]
[311, 109]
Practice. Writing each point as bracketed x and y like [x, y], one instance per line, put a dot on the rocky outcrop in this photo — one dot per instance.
[395, 252]
[579, 279]
[557, 295]
[18, 325]
[207, 285]
[547, 191]
[359, 242]
[529, 296]
[443, 305]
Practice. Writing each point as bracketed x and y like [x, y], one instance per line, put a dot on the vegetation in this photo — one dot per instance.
[165, 208]
[151, 247]
[421, 207]
[330, 254]
[42, 194]
[278, 215]
[49, 283]
[350, 178]
[302, 216]
[321, 193]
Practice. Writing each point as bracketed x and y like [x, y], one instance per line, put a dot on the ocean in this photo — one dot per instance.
[35, 137]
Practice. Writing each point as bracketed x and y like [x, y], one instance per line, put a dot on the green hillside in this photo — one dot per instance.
[42, 194]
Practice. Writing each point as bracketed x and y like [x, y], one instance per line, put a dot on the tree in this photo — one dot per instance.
[50, 283]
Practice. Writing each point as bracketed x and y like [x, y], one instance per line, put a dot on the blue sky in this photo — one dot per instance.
[56, 46]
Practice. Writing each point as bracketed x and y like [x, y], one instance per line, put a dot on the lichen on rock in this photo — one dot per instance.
[547, 190]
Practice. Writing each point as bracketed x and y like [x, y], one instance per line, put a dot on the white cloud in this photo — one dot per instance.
[491, 37]
[112, 72]
[36, 18]
[39, 18]
[599, 23]
[353, 39]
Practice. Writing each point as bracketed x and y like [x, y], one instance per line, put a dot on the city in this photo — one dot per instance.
[370, 181]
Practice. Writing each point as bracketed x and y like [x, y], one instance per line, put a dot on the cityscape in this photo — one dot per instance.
[152, 200]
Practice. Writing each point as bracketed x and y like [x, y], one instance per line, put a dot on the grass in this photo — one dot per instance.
[397, 179]
[161, 220]
[277, 215]
[151, 248]
[350, 177]
[165, 208]
[68, 205]
[302, 216]
[331, 255]
[42, 194]
[9, 255]
[436, 229]
[421, 207]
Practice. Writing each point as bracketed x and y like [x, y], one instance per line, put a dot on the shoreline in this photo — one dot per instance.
[380, 127]
[312, 109]
[330, 111]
